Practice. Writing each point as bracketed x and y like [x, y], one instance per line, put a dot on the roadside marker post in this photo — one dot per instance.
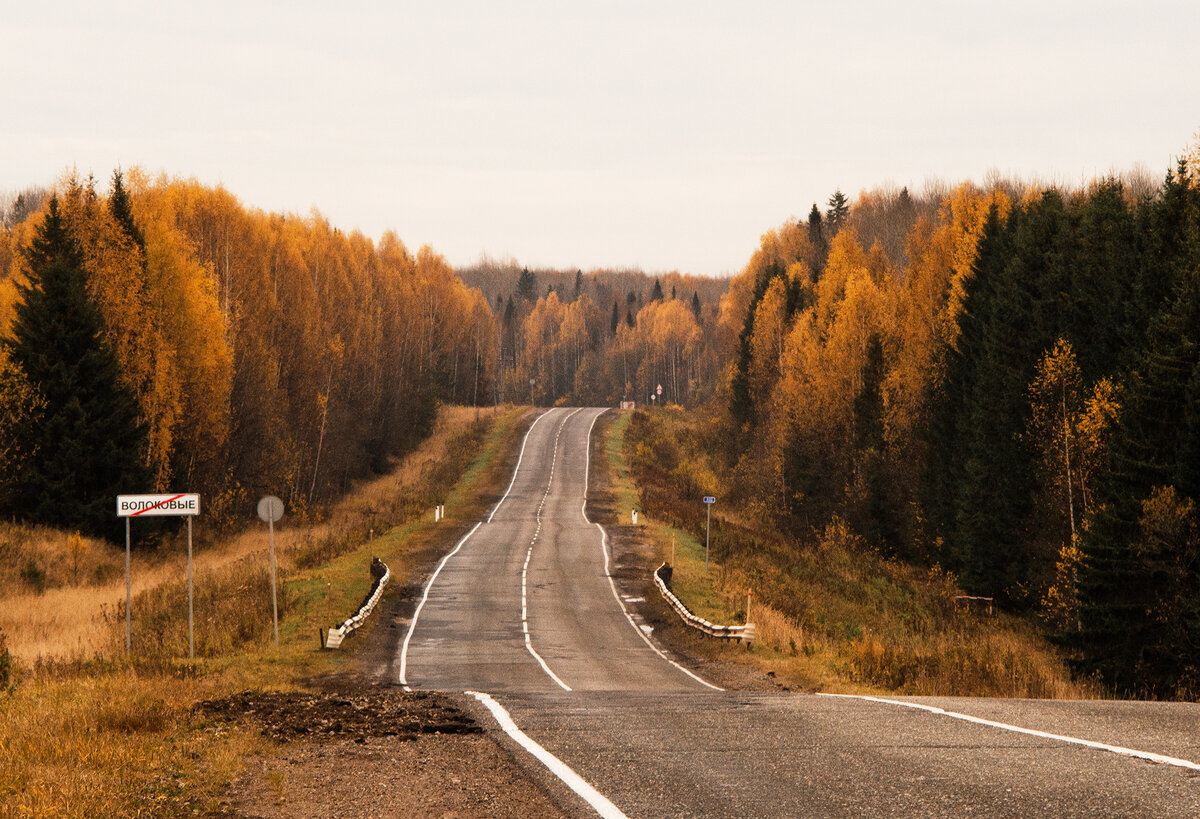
[151, 506]
[709, 500]
[270, 509]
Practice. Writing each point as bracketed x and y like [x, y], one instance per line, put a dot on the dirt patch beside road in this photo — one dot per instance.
[362, 749]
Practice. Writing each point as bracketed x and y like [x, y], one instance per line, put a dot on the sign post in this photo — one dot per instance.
[270, 509]
[153, 506]
[709, 500]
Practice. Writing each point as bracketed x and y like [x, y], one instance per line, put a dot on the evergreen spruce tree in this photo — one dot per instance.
[816, 237]
[88, 440]
[656, 294]
[615, 320]
[696, 305]
[118, 205]
[527, 285]
[1129, 634]
[839, 210]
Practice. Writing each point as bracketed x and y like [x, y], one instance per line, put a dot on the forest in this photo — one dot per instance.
[1003, 383]
[261, 352]
[999, 381]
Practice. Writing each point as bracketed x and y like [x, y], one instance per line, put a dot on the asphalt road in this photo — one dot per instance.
[524, 611]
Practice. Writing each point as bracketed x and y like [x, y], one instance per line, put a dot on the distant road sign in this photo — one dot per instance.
[151, 506]
[659, 390]
[710, 499]
[270, 509]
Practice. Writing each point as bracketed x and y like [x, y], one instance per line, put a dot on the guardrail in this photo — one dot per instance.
[382, 575]
[745, 633]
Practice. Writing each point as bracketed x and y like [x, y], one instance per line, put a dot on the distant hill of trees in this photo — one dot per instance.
[602, 336]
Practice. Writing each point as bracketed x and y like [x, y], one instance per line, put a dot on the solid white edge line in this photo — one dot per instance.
[429, 585]
[517, 468]
[529, 556]
[1100, 746]
[611, 583]
[596, 800]
[416, 614]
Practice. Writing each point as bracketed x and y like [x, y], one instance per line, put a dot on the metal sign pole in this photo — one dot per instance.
[191, 639]
[126, 585]
[709, 500]
[274, 600]
[135, 506]
[707, 521]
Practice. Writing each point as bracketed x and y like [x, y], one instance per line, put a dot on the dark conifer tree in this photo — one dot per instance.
[88, 442]
[696, 305]
[1139, 591]
[527, 285]
[839, 210]
[816, 237]
[656, 294]
[615, 320]
[118, 205]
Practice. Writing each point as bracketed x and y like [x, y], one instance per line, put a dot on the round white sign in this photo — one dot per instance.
[270, 509]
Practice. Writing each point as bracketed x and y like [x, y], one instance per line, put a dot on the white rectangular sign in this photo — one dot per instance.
[147, 506]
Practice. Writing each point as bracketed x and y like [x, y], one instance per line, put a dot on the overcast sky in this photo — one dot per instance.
[664, 135]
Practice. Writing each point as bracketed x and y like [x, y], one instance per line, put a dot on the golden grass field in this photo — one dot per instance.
[86, 731]
[73, 618]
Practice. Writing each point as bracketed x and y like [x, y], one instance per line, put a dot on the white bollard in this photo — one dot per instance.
[635, 517]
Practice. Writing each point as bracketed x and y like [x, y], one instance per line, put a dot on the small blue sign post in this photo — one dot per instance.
[709, 500]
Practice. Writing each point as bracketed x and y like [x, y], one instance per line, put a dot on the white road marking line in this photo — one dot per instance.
[1101, 746]
[517, 468]
[529, 556]
[429, 585]
[607, 573]
[424, 597]
[596, 800]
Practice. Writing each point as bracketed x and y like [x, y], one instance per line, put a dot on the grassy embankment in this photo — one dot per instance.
[85, 731]
[831, 614]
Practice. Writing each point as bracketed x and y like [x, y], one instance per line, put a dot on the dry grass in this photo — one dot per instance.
[65, 607]
[87, 732]
[114, 745]
[830, 614]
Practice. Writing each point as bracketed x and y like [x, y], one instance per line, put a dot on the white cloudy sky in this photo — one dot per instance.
[666, 135]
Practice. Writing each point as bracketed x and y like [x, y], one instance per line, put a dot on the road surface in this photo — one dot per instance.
[524, 616]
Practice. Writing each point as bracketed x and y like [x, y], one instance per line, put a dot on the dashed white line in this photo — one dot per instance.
[1087, 743]
[572, 780]
[429, 585]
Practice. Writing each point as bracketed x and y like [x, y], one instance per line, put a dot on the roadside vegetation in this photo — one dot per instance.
[831, 612]
[87, 731]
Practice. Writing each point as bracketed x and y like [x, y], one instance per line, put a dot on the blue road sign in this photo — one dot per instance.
[710, 499]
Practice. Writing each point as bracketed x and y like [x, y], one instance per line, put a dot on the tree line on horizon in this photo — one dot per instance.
[560, 342]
